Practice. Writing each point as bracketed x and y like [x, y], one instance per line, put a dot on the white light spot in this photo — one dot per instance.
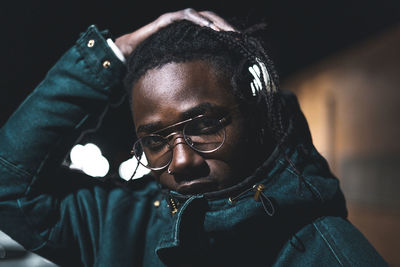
[127, 168]
[256, 84]
[88, 158]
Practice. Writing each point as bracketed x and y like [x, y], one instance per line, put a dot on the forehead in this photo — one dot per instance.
[164, 94]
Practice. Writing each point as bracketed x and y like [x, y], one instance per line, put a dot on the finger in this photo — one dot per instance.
[187, 14]
[199, 19]
[218, 21]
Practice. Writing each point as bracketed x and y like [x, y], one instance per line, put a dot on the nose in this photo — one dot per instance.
[186, 162]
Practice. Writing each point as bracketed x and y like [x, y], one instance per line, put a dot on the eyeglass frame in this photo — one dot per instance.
[223, 120]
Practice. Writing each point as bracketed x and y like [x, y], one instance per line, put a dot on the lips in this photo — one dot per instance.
[197, 186]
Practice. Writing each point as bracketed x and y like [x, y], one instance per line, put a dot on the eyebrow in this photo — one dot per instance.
[187, 114]
[198, 110]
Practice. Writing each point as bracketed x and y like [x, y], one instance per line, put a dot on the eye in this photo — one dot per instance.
[153, 143]
[205, 134]
[203, 126]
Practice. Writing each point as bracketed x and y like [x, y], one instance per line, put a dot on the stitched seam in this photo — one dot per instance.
[90, 70]
[85, 54]
[13, 167]
[309, 183]
[178, 221]
[19, 171]
[176, 232]
[315, 189]
[26, 218]
[328, 244]
[31, 226]
[333, 241]
[44, 160]
[80, 45]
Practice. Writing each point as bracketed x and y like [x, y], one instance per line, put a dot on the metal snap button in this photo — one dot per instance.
[106, 64]
[90, 43]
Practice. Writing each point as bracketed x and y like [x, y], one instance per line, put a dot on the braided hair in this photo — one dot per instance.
[232, 54]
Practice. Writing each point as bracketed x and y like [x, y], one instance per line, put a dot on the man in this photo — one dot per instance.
[235, 179]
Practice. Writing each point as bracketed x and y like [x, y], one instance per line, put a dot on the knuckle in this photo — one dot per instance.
[209, 13]
[188, 10]
[164, 16]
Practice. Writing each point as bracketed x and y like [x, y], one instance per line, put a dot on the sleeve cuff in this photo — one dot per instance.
[116, 50]
[102, 62]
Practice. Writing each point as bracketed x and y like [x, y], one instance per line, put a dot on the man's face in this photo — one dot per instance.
[179, 91]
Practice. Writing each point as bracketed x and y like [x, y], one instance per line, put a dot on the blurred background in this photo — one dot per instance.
[341, 58]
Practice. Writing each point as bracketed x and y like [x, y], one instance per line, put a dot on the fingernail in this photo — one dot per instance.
[214, 27]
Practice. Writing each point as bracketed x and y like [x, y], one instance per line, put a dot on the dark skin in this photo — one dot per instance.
[178, 91]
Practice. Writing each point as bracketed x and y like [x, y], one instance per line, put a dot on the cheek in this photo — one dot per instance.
[235, 145]
[235, 156]
[221, 171]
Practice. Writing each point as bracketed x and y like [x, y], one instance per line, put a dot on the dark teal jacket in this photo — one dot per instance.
[298, 218]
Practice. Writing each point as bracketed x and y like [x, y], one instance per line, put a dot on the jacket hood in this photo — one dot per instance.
[293, 187]
[297, 158]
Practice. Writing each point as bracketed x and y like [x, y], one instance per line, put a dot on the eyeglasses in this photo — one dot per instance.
[202, 133]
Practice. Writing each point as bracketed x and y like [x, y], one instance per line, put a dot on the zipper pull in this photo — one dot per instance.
[265, 201]
[259, 188]
[258, 196]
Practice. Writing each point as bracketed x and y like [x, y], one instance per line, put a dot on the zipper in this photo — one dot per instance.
[173, 206]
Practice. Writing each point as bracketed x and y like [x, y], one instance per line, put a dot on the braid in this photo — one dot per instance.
[253, 51]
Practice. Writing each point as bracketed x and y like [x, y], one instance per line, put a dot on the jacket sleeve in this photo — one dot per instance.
[36, 207]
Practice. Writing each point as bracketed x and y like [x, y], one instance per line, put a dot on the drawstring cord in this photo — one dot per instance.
[302, 180]
[258, 196]
[267, 204]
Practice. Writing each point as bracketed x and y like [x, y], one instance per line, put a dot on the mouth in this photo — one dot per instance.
[197, 186]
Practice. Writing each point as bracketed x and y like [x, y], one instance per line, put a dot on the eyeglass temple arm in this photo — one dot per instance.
[177, 124]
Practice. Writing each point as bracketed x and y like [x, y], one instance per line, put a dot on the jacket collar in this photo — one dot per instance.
[296, 187]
